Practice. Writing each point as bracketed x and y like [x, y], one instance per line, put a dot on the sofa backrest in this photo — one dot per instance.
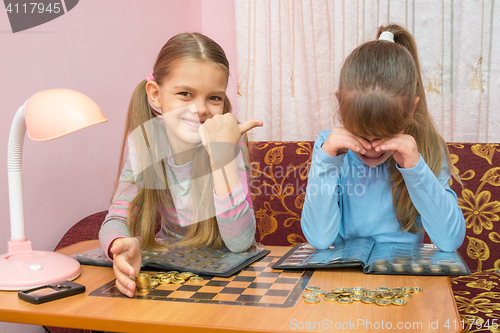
[278, 184]
[279, 180]
[478, 166]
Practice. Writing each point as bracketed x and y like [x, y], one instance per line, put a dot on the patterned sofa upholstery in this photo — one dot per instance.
[278, 183]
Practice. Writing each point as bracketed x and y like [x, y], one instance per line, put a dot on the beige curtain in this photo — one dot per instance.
[289, 54]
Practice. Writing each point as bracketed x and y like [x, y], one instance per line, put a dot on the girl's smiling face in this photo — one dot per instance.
[193, 92]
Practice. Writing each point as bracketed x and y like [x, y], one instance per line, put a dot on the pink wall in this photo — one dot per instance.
[103, 51]
[218, 22]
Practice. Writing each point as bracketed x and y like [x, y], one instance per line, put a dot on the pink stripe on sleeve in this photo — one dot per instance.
[225, 206]
[232, 212]
[123, 212]
[121, 202]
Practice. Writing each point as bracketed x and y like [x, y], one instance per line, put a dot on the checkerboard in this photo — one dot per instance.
[256, 285]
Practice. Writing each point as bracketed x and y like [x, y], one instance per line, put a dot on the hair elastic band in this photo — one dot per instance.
[387, 35]
[150, 77]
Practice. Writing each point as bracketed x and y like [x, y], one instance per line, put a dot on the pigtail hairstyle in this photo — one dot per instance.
[378, 85]
[154, 195]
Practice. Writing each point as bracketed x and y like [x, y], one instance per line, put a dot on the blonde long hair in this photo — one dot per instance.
[378, 85]
[145, 207]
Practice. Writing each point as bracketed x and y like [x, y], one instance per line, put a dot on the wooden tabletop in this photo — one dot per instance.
[433, 310]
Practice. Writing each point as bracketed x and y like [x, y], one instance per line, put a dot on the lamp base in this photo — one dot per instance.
[30, 269]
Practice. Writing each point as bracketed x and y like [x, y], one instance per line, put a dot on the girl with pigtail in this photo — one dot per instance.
[385, 172]
[184, 162]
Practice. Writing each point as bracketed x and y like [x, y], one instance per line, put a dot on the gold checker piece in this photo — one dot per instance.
[145, 281]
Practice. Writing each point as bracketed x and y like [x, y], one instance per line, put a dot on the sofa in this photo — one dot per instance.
[278, 183]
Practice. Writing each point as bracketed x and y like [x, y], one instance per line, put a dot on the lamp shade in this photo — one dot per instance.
[53, 113]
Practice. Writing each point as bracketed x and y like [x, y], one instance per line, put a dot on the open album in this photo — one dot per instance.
[377, 258]
[198, 260]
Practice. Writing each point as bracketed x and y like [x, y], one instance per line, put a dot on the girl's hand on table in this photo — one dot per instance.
[126, 263]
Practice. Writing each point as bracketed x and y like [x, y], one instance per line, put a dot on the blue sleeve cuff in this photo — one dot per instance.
[410, 173]
[323, 159]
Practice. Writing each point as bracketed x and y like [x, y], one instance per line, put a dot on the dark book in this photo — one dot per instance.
[198, 260]
[376, 258]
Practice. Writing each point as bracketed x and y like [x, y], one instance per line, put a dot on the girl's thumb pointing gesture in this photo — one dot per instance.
[249, 124]
[219, 131]
[225, 128]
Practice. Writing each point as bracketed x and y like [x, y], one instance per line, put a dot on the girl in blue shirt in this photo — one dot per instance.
[385, 173]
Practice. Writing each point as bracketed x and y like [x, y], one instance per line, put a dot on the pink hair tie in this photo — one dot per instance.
[150, 77]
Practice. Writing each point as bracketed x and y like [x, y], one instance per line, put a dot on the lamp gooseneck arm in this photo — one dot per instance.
[14, 159]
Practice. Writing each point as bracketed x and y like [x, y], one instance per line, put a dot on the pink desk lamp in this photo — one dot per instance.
[47, 115]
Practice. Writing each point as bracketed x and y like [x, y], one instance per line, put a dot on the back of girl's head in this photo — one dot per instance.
[378, 84]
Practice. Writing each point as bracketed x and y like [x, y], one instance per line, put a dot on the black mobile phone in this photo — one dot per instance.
[51, 292]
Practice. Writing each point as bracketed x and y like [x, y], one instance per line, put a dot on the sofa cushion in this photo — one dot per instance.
[278, 184]
[85, 229]
[478, 199]
[477, 298]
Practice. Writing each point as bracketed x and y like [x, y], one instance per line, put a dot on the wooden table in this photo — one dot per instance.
[433, 310]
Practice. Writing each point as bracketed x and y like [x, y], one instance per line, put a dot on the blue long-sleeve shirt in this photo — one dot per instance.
[346, 198]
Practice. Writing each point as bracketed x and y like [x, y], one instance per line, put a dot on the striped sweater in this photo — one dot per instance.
[234, 212]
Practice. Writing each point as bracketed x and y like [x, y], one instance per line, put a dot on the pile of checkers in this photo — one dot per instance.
[382, 296]
[145, 282]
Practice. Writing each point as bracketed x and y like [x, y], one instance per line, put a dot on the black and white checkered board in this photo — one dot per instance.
[256, 285]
